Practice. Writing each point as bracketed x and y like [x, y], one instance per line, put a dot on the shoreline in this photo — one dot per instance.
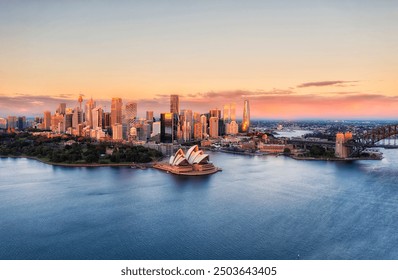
[135, 165]
[332, 159]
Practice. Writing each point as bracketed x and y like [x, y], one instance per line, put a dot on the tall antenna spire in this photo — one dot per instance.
[80, 100]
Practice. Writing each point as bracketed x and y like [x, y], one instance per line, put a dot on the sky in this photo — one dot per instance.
[290, 59]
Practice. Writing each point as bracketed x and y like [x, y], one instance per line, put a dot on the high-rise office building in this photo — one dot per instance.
[21, 123]
[155, 129]
[68, 120]
[77, 117]
[150, 120]
[168, 127]
[246, 116]
[213, 127]
[149, 115]
[106, 120]
[130, 116]
[174, 104]
[229, 112]
[175, 110]
[131, 110]
[197, 126]
[90, 105]
[226, 113]
[61, 108]
[232, 111]
[117, 132]
[197, 131]
[11, 122]
[186, 123]
[203, 121]
[215, 113]
[47, 120]
[57, 123]
[116, 111]
[97, 114]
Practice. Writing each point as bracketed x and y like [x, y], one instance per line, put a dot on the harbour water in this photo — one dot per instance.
[261, 207]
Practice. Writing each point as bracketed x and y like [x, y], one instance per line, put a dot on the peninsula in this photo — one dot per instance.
[68, 150]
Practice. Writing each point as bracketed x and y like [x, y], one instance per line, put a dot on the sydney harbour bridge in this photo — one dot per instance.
[383, 136]
[379, 137]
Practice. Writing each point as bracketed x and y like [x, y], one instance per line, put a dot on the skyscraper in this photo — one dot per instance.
[186, 122]
[131, 111]
[77, 117]
[68, 120]
[149, 115]
[174, 104]
[106, 120]
[61, 108]
[246, 117]
[57, 123]
[213, 127]
[168, 127]
[131, 116]
[226, 113]
[156, 129]
[232, 111]
[11, 122]
[47, 120]
[215, 113]
[21, 123]
[97, 114]
[117, 132]
[203, 121]
[116, 111]
[90, 105]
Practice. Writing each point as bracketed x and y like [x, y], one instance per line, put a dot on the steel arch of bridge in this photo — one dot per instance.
[367, 140]
[377, 134]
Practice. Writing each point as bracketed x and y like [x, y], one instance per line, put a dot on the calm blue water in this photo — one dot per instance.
[257, 208]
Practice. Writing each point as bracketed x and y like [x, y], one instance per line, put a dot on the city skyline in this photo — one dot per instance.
[313, 59]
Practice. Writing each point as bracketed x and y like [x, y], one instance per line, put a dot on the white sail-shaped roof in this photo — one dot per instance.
[202, 158]
[191, 153]
[178, 158]
[193, 156]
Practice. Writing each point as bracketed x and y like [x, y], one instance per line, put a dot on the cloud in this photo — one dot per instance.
[233, 94]
[327, 83]
[21, 103]
[37, 102]
[344, 92]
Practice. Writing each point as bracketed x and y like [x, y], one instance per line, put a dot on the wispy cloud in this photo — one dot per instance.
[234, 94]
[327, 83]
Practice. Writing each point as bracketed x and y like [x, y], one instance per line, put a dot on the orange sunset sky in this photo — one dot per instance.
[291, 59]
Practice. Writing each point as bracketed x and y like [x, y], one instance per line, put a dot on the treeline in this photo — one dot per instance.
[83, 150]
[317, 151]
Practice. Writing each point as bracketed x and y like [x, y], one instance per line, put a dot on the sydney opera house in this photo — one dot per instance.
[193, 162]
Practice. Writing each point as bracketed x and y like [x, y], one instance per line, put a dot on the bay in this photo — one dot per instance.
[261, 207]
